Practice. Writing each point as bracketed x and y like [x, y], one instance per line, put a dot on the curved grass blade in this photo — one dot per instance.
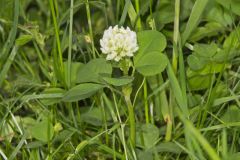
[12, 35]
[194, 18]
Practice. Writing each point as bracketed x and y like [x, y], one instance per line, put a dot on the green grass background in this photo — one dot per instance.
[191, 111]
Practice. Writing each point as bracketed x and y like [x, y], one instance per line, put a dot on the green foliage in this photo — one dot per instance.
[91, 71]
[42, 130]
[120, 81]
[177, 97]
[149, 41]
[194, 18]
[233, 5]
[148, 134]
[75, 67]
[232, 114]
[205, 61]
[6, 10]
[151, 63]
[150, 60]
[93, 116]
[23, 39]
[81, 91]
[48, 101]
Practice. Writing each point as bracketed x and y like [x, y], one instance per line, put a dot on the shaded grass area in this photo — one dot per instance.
[56, 101]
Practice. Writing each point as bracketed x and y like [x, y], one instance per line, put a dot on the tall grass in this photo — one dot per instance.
[188, 111]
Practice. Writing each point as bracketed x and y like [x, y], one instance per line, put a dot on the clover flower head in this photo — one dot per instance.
[118, 42]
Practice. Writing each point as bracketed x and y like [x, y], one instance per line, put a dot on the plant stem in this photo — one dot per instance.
[127, 92]
[169, 117]
[166, 111]
[150, 8]
[56, 7]
[139, 25]
[146, 101]
[117, 11]
[175, 35]
[168, 135]
[121, 130]
[90, 28]
[70, 46]
[58, 40]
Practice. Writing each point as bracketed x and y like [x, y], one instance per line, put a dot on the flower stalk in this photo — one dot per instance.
[127, 90]
[119, 44]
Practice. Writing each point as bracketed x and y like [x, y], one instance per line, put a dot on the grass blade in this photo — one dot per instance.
[70, 45]
[59, 50]
[206, 146]
[199, 137]
[12, 35]
[90, 28]
[194, 18]
[3, 155]
[16, 150]
[7, 65]
[177, 91]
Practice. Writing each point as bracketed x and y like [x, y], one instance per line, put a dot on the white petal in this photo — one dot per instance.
[118, 42]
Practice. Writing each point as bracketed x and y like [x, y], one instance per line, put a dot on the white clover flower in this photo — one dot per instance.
[118, 42]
